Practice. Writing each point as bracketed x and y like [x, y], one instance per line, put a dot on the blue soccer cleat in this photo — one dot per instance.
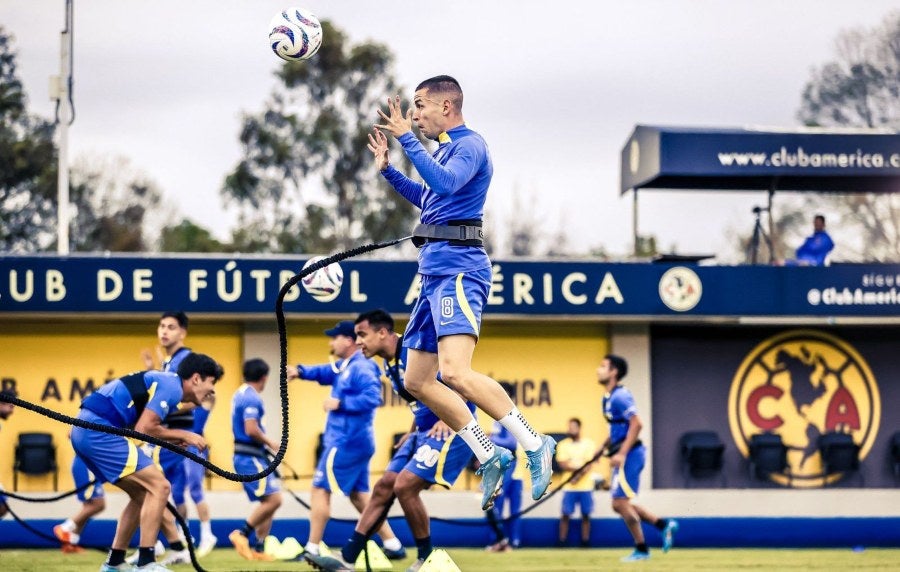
[540, 462]
[668, 534]
[636, 556]
[491, 472]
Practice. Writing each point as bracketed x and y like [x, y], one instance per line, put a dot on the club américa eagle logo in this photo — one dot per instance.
[801, 384]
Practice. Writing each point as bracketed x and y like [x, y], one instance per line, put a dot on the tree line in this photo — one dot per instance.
[302, 184]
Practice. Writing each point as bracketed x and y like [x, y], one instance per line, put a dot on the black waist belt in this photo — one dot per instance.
[253, 450]
[457, 233]
[613, 449]
[180, 420]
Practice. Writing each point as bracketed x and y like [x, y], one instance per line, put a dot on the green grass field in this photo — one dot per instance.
[530, 560]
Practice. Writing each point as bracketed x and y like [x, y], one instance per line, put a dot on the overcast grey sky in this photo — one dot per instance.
[555, 87]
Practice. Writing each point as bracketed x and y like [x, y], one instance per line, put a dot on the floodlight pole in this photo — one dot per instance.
[61, 93]
[634, 222]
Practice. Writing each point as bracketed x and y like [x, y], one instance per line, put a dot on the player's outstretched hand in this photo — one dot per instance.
[378, 145]
[395, 121]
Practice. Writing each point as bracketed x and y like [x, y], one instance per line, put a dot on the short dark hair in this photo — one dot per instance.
[444, 84]
[575, 420]
[820, 217]
[179, 316]
[619, 364]
[202, 364]
[255, 369]
[377, 319]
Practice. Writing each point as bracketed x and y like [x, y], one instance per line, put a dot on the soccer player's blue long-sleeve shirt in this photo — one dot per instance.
[114, 402]
[356, 382]
[456, 179]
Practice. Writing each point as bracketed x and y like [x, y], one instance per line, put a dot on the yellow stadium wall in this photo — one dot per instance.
[551, 364]
[52, 365]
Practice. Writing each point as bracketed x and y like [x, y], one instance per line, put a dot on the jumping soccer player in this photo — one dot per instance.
[627, 456]
[429, 454]
[456, 277]
[140, 400]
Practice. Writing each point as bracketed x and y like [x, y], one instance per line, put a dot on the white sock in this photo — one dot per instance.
[68, 525]
[515, 422]
[312, 548]
[393, 544]
[74, 538]
[205, 529]
[474, 437]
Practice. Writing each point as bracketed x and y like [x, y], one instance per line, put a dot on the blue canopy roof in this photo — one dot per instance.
[849, 161]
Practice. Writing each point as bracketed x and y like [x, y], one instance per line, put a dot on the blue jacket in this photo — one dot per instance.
[815, 248]
[356, 382]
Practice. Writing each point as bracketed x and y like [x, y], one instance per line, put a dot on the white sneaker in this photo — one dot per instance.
[206, 546]
[176, 557]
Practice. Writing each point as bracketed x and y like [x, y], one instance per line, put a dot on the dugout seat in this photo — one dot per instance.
[557, 437]
[35, 455]
[767, 455]
[895, 454]
[840, 454]
[702, 455]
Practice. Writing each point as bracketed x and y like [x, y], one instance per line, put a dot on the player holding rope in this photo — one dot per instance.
[456, 277]
[140, 400]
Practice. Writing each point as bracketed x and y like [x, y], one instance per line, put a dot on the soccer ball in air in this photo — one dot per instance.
[295, 34]
[325, 283]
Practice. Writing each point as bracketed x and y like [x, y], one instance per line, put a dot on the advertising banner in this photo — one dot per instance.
[249, 285]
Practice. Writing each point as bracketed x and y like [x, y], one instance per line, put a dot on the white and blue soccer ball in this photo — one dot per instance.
[325, 283]
[295, 34]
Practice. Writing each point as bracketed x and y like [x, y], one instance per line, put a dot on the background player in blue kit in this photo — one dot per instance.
[348, 441]
[507, 535]
[251, 446]
[429, 454]
[456, 277]
[171, 332]
[140, 400]
[627, 456]
[194, 473]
